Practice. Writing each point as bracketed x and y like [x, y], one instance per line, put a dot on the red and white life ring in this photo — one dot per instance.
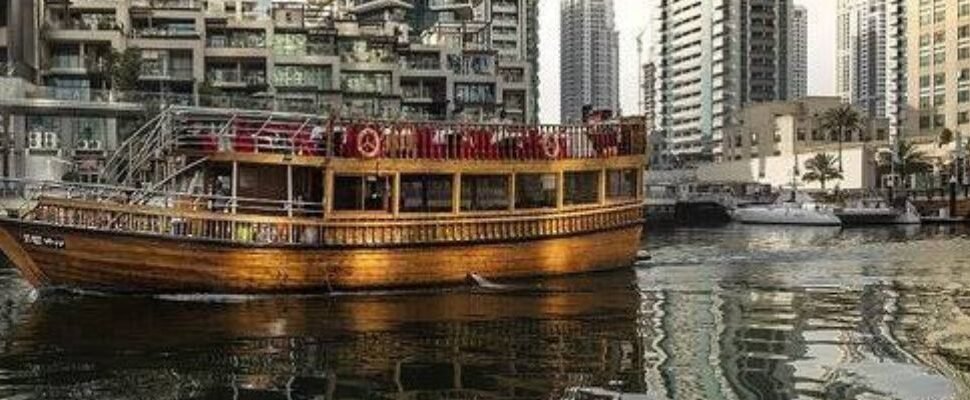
[550, 146]
[368, 143]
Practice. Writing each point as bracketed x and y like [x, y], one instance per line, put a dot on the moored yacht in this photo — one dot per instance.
[878, 212]
[799, 209]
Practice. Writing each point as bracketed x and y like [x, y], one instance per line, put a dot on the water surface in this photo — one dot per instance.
[718, 313]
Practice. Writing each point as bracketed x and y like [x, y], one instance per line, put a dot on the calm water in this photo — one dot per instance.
[719, 313]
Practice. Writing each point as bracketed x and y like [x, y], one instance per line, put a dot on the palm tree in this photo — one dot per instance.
[908, 161]
[821, 169]
[842, 120]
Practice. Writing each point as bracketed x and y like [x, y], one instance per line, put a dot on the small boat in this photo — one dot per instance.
[799, 211]
[878, 212]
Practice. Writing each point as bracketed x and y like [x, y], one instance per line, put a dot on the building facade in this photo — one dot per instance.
[715, 57]
[938, 42]
[791, 127]
[798, 53]
[465, 60]
[870, 58]
[590, 58]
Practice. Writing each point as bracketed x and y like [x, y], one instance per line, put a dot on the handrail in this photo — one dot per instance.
[315, 232]
[348, 138]
[33, 190]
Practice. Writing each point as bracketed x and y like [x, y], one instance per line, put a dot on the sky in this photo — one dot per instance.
[632, 17]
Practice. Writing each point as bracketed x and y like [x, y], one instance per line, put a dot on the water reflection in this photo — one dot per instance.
[728, 313]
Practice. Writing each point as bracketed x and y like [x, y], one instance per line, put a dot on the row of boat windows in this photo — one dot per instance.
[434, 193]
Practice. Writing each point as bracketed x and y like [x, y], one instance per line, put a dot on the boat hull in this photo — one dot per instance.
[782, 216]
[76, 258]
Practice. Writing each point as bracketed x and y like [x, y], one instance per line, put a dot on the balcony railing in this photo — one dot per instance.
[211, 132]
[204, 222]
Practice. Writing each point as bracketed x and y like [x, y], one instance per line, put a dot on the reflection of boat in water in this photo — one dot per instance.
[579, 330]
[802, 210]
[878, 212]
[254, 202]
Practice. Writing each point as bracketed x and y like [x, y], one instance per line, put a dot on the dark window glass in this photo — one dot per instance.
[621, 184]
[535, 191]
[484, 192]
[426, 193]
[581, 187]
[361, 193]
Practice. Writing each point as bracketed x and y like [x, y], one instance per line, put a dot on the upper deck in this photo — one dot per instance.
[250, 136]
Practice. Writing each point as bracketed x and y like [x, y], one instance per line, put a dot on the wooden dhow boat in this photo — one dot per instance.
[226, 201]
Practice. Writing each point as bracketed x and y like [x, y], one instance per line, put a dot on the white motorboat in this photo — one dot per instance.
[878, 212]
[799, 211]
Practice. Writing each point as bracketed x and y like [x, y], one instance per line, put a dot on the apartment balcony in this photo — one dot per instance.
[236, 53]
[510, 8]
[164, 33]
[168, 4]
[77, 31]
[74, 65]
[160, 73]
[233, 79]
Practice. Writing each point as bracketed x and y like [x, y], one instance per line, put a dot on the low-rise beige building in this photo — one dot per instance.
[791, 127]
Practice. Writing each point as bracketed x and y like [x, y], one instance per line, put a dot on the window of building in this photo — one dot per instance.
[939, 57]
[939, 100]
[939, 37]
[963, 32]
[963, 117]
[924, 122]
[621, 184]
[924, 40]
[963, 53]
[581, 187]
[939, 79]
[924, 101]
[426, 193]
[362, 193]
[289, 44]
[963, 96]
[484, 192]
[939, 120]
[535, 191]
[924, 81]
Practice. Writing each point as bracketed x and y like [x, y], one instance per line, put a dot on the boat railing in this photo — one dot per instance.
[305, 135]
[265, 230]
[31, 191]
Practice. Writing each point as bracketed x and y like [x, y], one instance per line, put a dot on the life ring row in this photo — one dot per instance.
[369, 144]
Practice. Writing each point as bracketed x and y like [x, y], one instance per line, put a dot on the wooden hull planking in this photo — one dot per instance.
[114, 262]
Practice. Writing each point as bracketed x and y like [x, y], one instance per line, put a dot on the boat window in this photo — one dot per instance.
[361, 193]
[621, 184]
[426, 193]
[484, 192]
[581, 187]
[307, 190]
[261, 189]
[535, 191]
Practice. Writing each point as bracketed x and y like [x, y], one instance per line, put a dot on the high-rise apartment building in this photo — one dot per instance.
[437, 59]
[713, 58]
[798, 53]
[938, 44]
[647, 87]
[589, 58]
[870, 58]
